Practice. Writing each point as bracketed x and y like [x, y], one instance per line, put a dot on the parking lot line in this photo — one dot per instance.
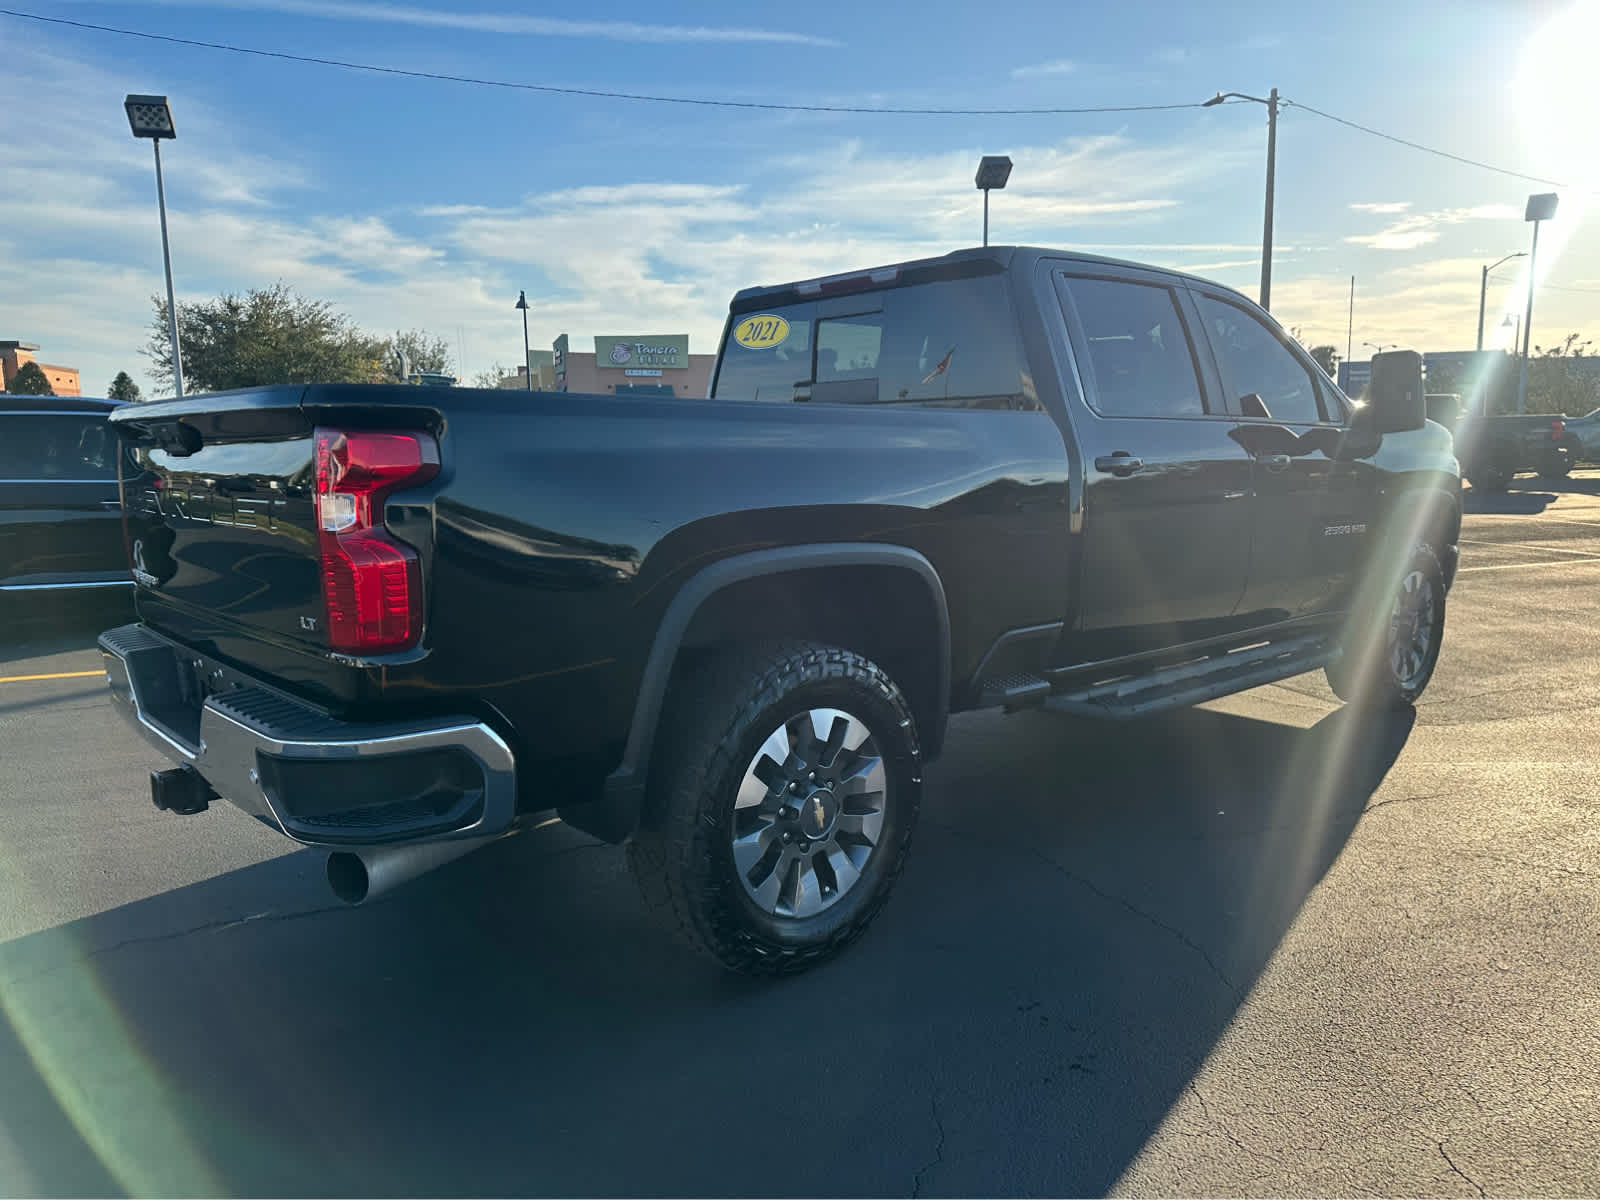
[1568, 562]
[57, 675]
[1528, 546]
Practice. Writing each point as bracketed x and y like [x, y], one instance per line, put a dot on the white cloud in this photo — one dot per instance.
[1059, 66]
[507, 23]
[1422, 229]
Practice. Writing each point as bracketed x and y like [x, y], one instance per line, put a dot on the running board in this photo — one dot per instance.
[1197, 681]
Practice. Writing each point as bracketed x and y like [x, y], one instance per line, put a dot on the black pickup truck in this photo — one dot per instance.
[731, 631]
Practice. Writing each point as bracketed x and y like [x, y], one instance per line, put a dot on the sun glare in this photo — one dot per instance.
[1556, 94]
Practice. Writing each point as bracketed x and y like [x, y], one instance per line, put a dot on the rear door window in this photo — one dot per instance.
[950, 344]
[1140, 356]
[61, 448]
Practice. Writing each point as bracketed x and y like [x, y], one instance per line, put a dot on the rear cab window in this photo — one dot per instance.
[947, 344]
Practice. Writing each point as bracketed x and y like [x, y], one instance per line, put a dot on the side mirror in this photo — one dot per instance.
[1395, 398]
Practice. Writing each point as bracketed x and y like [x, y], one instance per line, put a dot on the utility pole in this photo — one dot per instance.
[1266, 225]
[1350, 329]
[1272, 102]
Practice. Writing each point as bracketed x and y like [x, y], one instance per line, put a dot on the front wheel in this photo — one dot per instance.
[781, 805]
[1390, 653]
[1489, 477]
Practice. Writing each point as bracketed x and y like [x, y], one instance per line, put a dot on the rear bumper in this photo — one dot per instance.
[319, 780]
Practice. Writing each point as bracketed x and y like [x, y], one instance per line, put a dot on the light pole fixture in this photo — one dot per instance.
[1541, 207]
[993, 171]
[1380, 347]
[151, 117]
[1483, 291]
[1272, 102]
[527, 355]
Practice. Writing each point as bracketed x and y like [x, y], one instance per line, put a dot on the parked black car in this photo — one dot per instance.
[393, 621]
[61, 529]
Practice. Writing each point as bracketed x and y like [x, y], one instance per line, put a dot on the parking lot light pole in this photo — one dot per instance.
[993, 171]
[1540, 208]
[1483, 290]
[1271, 101]
[151, 117]
[527, 355]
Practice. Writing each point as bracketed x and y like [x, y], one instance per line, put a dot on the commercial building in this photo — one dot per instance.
[542, 363]
[655, 364]
[16, 355]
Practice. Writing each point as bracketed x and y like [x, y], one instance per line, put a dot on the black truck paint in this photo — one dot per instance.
[1120, 502]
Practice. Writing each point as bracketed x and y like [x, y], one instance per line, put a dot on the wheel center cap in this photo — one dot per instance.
[818, 811]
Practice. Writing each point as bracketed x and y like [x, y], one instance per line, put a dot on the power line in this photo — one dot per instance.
[594, 92]
[765, 106]
[1389, 137]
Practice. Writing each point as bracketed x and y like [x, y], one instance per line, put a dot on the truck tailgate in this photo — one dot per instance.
[225, 534]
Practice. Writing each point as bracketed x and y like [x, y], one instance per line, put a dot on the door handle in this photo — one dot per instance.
[1121, 463]
[1274, 462]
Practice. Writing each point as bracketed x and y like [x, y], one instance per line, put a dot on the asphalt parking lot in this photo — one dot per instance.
[1260, 948]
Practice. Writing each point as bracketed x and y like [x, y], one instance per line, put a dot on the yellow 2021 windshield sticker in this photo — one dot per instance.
[761, 332]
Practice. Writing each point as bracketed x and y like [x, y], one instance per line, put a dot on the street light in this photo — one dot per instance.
[1483, 291]
[527, 355]
[1379, 347]
[1541, 207]
[993, 171]
[1272, 170]
[151, 117]
[1271, 101]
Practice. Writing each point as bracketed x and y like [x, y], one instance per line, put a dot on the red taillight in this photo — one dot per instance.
[1558, 429]
[371, 583]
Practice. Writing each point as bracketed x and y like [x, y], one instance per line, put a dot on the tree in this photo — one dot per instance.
[422, 351]
[266, 336]
[123, 388]
[1327, 358]
[492, 377]
[30, 381]
[1564, 378]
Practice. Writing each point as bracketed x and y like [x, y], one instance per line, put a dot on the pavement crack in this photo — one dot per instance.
[170, 936]
[1445, 1154]
[1114, 898]
[1405, 800]
[938, 1148]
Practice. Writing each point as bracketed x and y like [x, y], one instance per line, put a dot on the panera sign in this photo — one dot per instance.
[639, 353]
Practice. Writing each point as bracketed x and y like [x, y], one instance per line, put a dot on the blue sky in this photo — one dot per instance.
[426, 204]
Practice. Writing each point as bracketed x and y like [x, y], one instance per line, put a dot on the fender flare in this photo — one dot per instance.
[623, 797]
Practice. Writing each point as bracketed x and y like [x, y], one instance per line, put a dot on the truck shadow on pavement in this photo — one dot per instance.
[1529, 494]
[1084, 911]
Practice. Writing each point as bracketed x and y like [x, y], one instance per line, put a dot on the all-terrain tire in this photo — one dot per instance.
[1384, 665]
[720, 721]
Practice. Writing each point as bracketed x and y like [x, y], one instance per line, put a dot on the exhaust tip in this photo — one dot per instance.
[347, 876]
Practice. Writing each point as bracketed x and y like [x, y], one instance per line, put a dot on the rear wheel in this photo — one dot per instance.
[782, 805]
[1559, 463]
[1390, 652]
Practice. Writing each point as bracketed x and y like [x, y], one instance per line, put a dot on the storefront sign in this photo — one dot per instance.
[657, 351]
[646, 371]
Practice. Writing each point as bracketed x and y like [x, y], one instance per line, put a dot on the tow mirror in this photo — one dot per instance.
[1395, 400]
